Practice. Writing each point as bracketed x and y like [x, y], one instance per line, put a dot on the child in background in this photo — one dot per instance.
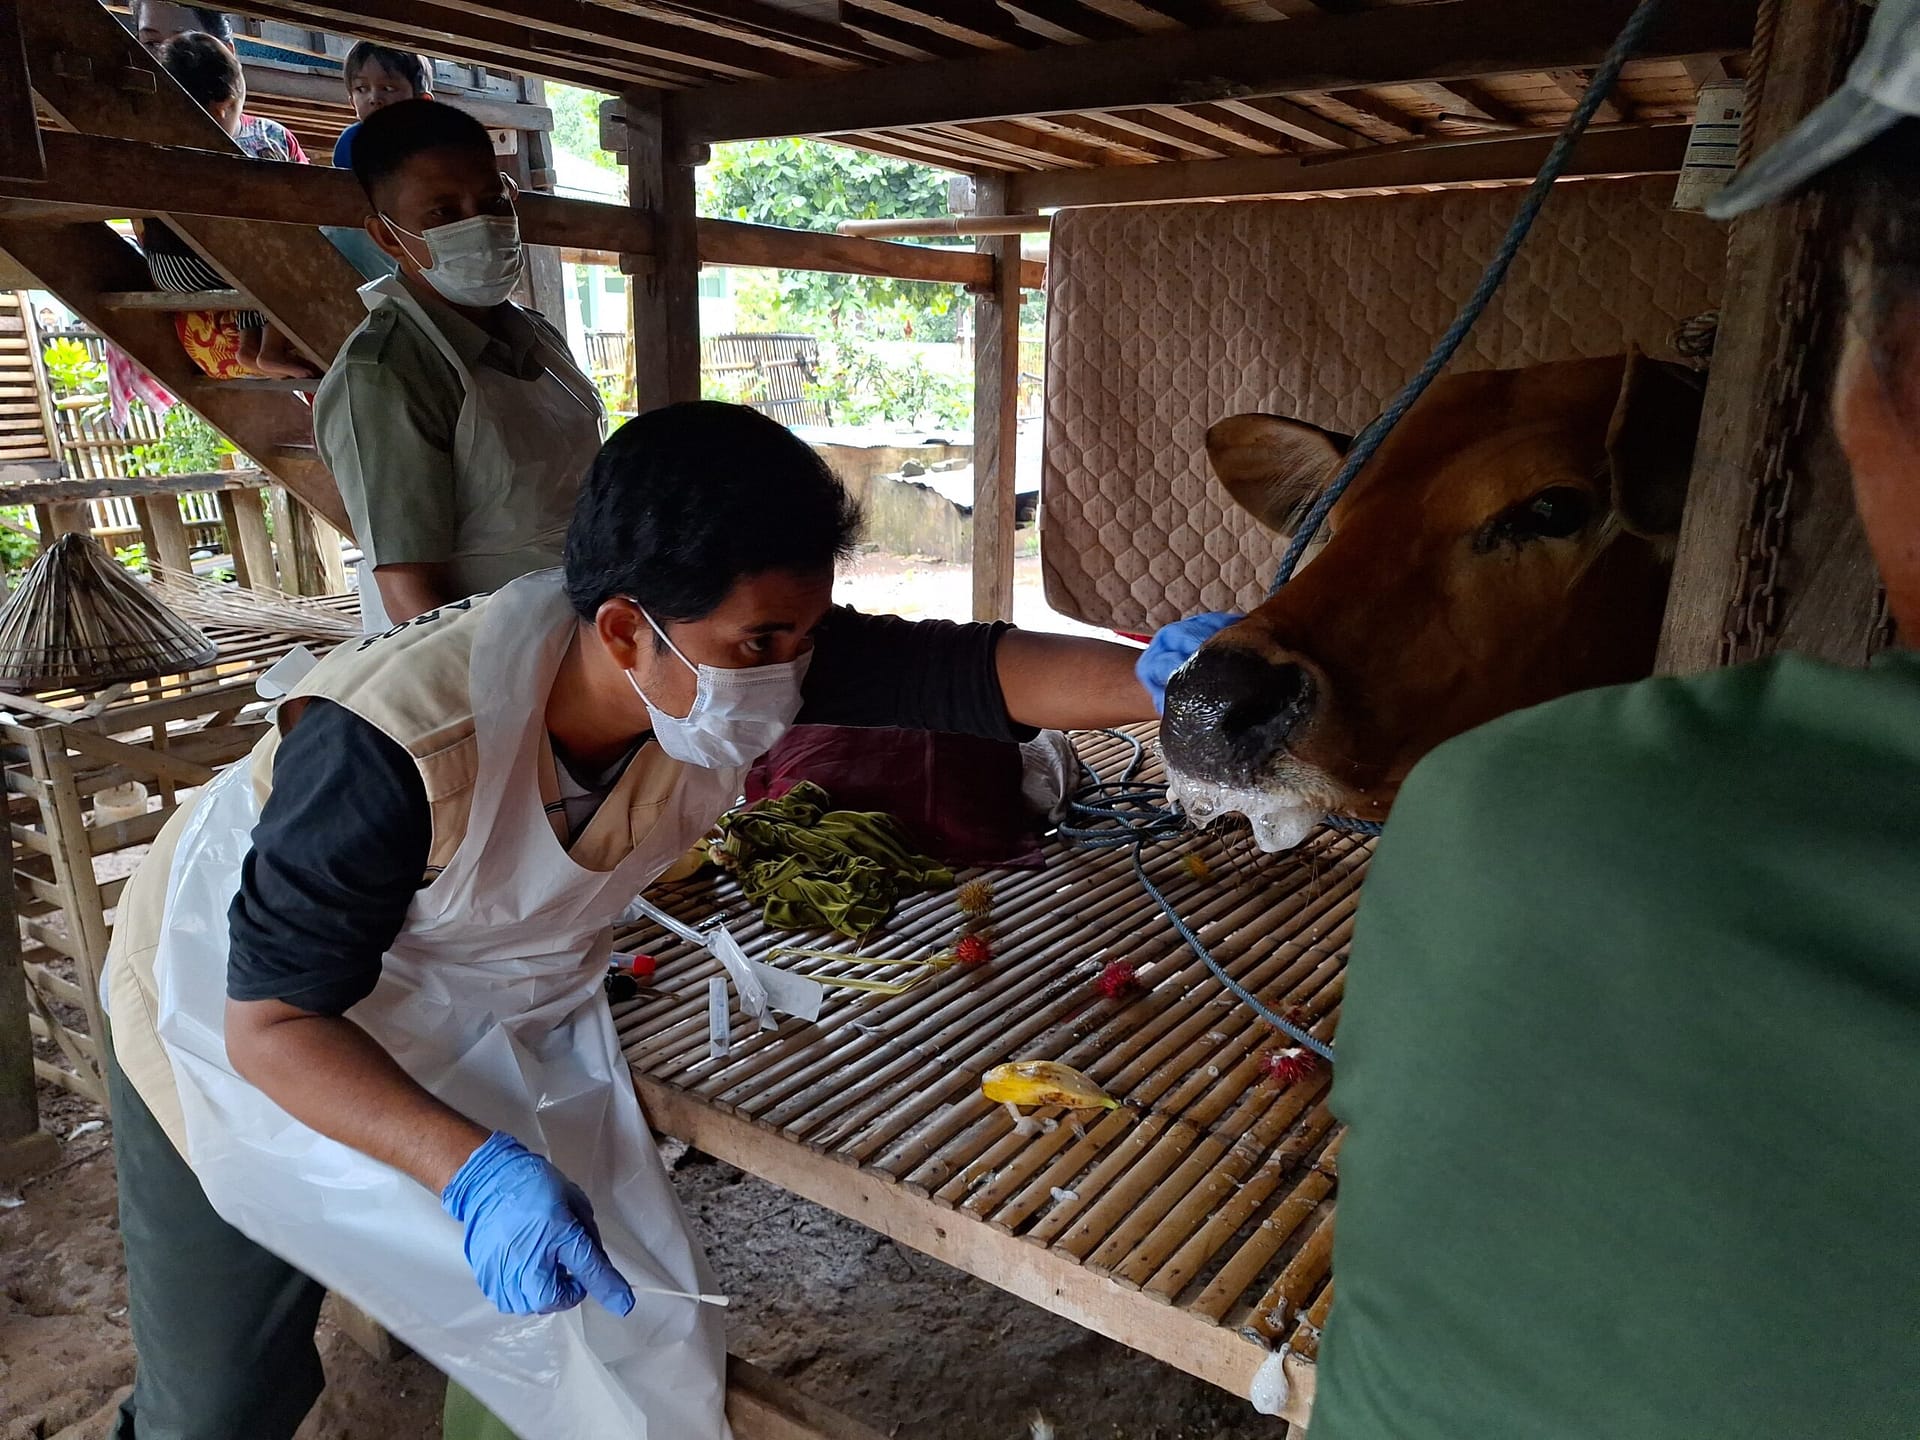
[223, 343]
[377, 77]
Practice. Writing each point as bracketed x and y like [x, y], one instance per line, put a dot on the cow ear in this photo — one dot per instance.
[1650, 443]
[1272, 466]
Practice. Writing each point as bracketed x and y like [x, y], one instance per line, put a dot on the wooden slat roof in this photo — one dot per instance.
[786, 48]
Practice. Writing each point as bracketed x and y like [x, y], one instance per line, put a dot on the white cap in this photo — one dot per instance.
[1882, 89]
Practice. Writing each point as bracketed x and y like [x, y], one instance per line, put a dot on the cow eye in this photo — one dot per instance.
[1553, 514]
[1556, 513]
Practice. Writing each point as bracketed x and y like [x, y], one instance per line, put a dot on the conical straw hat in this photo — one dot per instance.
[79, 621]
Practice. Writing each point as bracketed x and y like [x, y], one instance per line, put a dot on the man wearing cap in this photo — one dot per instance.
[1630, 1047]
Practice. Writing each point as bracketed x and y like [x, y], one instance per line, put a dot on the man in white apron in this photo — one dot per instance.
[359, 1033]
[455, 422]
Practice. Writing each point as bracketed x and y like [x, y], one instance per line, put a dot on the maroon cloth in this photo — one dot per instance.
[958, 796]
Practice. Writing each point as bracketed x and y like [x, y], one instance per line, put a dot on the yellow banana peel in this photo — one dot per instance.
[1044, 1082]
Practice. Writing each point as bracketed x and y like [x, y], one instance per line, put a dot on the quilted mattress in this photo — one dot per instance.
[1163, 319]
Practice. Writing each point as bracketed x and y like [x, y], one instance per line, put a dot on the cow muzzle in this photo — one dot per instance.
[1232, 716]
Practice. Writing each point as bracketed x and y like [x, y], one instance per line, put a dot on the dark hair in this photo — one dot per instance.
[685, 502]
[1879, 188]
[206, 69]
[404, 63]
[390, 137]
[207, 21]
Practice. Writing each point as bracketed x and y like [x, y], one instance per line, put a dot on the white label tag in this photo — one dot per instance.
[719, 1027]
[285, 673]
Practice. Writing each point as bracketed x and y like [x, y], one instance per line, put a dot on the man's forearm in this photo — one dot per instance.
[410, 590]
[332, 1076]
[1068, 682]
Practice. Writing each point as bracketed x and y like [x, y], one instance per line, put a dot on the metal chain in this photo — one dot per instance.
[1753, 618]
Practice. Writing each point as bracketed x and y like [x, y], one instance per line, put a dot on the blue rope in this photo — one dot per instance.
[1376, 432]
[1129, 812]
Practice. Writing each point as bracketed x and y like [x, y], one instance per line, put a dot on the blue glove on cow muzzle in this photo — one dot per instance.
[530, 1238]
[1172, 647]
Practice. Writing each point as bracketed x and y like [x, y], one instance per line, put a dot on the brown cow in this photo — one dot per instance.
[1511, 542]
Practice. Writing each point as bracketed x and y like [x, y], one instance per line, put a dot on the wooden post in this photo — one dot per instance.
[666, 284]
[24, 1146]
[996, 413]
[66, 826]
[285, 556]
[62, 518]
[165, 535]
[1770, 552]
[248, 541]
[309, 548]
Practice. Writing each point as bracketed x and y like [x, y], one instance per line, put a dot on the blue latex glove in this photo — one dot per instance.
[530, 1238]
[1172, 647]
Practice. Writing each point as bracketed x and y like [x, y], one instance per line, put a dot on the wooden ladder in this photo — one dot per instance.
[95, 78]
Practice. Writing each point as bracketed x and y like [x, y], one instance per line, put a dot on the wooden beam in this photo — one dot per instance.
[1398, 45]
[20, 153]
[1769, 517]
[1297, 123]
[133, 178]
[1047, 1277]
[761, 1407]
[996, 414]
[270, 81]
[729, 242]
[1573, 84]
[588, 35]
[1656, 149]
[127, 177]
[666, 288]
[104, 487]
[480, 42]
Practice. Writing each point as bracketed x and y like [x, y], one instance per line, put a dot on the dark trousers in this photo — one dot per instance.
[224, 1328]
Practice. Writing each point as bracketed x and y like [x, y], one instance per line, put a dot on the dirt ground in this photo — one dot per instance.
[911, 1347]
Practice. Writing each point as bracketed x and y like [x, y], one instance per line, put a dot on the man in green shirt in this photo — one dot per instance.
[1630, 1049]
[455, 422]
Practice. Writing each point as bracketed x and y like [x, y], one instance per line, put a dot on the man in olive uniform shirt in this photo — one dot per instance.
[456, 422]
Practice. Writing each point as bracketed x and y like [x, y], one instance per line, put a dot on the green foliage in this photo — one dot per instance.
[132, 557]
[187, 446]
[70, 370]
[812, 185]
[18, 546]
[576, 124]
[861, 388]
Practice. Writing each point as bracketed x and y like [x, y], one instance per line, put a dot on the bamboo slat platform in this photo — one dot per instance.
[1194, 1223]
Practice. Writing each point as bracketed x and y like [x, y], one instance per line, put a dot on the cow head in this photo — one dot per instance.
[1509, 543]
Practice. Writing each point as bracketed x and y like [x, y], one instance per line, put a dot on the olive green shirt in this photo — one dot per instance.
[1630, 1052]
[386, 416]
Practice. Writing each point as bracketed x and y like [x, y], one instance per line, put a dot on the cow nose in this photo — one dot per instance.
[1231, 711]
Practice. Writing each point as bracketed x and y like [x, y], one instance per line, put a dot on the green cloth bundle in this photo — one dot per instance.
[810, 867]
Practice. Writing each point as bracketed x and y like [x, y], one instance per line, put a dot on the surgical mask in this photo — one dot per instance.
[737, 715]
[476, 262]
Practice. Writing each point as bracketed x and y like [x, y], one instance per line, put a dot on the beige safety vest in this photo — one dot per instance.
[412, 684]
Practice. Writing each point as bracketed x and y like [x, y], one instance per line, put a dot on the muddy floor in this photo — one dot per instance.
[913, 1348]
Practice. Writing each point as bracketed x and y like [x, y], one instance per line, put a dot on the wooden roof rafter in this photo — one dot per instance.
[983, 85]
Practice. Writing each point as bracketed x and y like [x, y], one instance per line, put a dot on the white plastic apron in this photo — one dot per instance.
[491, 998]
[520, 451]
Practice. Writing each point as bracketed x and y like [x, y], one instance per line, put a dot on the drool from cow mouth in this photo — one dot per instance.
[1281, 818]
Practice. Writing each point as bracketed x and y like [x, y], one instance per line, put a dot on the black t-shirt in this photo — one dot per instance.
[342, 843]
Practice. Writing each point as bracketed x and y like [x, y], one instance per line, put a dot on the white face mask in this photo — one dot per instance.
[737, 715]
[476, 262]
